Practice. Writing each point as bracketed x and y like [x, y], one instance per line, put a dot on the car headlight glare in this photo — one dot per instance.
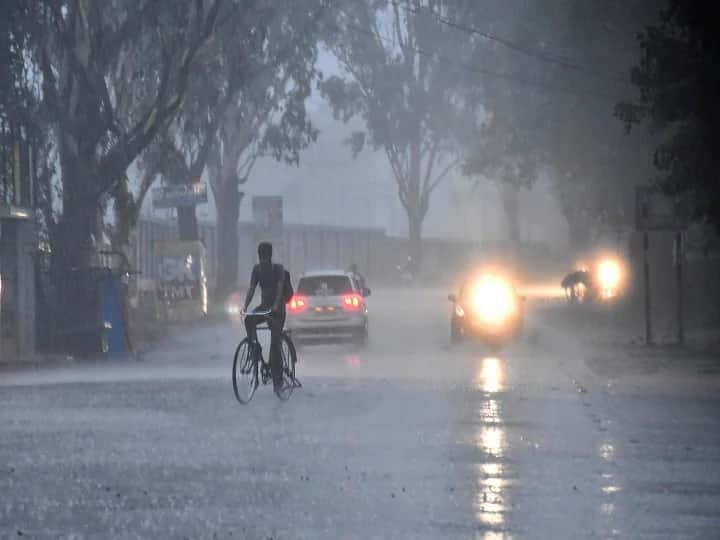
[493, 300]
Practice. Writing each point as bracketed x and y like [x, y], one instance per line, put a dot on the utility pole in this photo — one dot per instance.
[679, 288]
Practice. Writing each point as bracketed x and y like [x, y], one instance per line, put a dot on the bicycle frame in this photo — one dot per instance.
[267, 314]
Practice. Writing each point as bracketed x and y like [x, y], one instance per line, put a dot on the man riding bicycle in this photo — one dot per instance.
[271, 278]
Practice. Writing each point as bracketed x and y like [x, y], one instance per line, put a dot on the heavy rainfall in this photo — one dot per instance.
[359, 269]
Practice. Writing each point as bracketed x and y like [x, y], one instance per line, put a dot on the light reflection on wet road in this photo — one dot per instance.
[491, 499]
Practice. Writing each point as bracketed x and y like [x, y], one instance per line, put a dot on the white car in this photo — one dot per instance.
[328, 305]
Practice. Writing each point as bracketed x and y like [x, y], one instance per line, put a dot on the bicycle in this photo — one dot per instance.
[250, 367]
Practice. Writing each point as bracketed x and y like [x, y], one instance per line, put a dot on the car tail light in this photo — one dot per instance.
[297, 304]
[352, 302]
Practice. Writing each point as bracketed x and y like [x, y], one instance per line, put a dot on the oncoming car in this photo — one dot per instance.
[489, 308]
[328, 306]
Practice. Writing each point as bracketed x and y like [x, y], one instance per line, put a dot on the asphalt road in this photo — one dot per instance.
[407, 439]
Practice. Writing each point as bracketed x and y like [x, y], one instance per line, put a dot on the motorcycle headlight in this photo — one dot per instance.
[609, 274]
[493, 300]
[459, 311]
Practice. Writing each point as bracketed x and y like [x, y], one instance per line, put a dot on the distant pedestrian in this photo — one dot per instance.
[357, 276]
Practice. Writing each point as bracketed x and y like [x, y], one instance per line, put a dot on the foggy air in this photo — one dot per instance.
[352, 269]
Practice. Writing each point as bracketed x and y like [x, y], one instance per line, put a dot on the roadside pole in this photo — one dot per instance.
[658, 211]
[646, 273]
[679, 256]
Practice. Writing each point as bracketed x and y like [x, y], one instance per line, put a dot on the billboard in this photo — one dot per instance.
[172, 196]
[182, 284]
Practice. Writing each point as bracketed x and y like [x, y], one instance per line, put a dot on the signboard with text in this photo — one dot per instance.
[173, 196]
[182, 284]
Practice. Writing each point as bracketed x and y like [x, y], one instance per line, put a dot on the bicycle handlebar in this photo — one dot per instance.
[266, 313]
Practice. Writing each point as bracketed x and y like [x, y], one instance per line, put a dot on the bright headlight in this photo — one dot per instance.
[609, 277]
[609, 274]
[493, 299]
[233, 309]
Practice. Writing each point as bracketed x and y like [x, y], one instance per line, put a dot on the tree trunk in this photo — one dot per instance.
[228, 212]
[512, 212]
[415, 210]
[187, 224]
[80, 210]
[70, 274]
[415, 242]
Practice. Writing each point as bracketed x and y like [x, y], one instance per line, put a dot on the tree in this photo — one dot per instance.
[246, 100]
[507, 156]
[267, 77]
[557, 70]
[597, 166]
[405, 79]
[24, 133]
[112, 75]
[679, 83]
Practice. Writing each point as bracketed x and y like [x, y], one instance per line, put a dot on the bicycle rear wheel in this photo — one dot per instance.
[245, 373]
[289, 358]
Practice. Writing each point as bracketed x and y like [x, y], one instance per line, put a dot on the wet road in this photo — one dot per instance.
[407, 439]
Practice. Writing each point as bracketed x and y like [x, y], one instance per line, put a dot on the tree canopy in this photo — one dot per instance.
[678, 82]
[405, 79]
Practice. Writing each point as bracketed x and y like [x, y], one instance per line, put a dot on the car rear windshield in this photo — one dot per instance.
[324, 285]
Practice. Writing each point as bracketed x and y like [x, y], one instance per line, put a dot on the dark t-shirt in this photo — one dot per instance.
[267, 276]
[575, 278]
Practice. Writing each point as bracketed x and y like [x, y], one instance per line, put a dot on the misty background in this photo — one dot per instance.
[330, 187]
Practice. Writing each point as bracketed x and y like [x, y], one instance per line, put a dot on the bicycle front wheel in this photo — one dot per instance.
[245, 372]
[289, 359]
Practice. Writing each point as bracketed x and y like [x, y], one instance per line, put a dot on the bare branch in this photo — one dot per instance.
[443, 174]
[125, 151]
[430, 165]
[396, 24]
[129, 26]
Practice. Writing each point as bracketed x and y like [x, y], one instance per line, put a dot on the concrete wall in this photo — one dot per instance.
[313, 247]
[303, 247]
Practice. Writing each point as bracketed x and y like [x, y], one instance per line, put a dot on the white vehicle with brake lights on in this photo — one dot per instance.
[328, 306]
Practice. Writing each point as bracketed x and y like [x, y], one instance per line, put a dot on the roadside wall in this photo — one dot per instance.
[314, 247]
